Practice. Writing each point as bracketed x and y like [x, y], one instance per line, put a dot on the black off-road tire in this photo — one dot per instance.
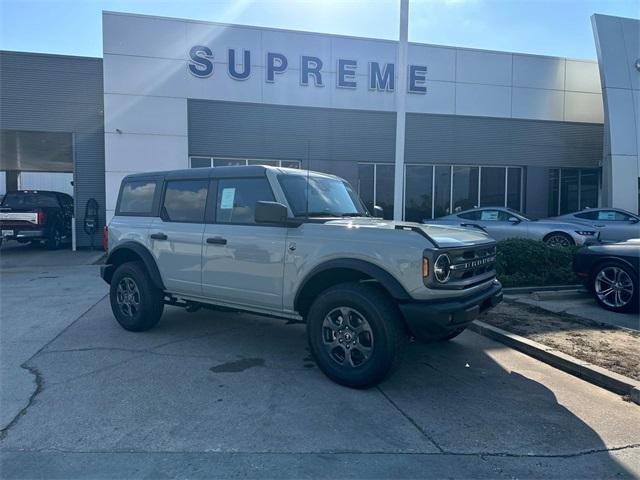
[54, 240]
[133, 279]
[384, 325]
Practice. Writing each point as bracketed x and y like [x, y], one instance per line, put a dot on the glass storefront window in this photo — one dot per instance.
[384, 189]
[573, 189]
[365, 185]
[375, 186]
[200, 162]
[514, 188]
[554, 189]
[588, 189]
[442, 192]
[206, 162]
[568, 191]
[492, 187]
[465, 188]
[418, 192]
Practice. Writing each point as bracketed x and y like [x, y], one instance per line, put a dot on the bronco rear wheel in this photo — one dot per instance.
[135, 301]
[355, 334]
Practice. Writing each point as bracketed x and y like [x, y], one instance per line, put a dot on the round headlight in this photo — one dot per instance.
[442, 268]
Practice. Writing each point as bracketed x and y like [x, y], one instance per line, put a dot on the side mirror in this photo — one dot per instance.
[634, 220]
[514, 220]
[274, 213]
[378, 212]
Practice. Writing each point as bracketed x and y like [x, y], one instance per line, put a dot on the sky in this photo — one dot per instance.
[545, 27]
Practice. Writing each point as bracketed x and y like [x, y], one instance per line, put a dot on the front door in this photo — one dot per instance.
[176, 237]
[242, 261]
[497, 224]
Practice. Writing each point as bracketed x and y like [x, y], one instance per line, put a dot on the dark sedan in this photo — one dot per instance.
[610, 272]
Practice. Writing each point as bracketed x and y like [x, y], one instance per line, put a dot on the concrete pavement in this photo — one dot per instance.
[41, 293]
[211, 394]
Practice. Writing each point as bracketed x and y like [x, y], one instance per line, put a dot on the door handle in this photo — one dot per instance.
[217, 240]
[158, 236]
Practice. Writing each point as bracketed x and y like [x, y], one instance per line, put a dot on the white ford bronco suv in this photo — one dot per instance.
[298, 245]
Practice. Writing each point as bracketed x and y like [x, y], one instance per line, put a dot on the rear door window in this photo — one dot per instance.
[470, 215]
[137, 198]
[185, 201]
[237, 199]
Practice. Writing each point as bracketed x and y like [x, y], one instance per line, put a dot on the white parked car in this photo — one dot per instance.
[613, 224]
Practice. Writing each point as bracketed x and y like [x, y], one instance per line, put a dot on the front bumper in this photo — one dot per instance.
[433, 319]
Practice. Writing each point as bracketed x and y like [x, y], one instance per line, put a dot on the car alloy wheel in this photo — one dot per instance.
[347, 337]
[560, 241]
[614, 287]
[128, 297]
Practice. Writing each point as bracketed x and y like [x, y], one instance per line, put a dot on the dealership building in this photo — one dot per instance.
[544, 135]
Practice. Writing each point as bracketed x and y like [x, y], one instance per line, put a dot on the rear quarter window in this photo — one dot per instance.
[137, 197]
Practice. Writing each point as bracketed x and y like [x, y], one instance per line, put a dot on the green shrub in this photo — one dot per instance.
[529, 263]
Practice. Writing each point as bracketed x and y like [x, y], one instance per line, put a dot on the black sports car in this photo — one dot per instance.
[610, 272]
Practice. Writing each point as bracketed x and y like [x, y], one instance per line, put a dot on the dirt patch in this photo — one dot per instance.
[609, 347]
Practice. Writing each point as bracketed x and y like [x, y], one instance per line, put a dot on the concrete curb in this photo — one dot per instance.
[556, 288]
[597, 375]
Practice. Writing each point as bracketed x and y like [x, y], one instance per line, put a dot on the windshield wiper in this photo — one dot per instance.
[319, 214]
[354, 214]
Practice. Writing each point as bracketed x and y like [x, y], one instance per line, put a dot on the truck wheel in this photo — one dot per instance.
[54, 240]
[135, 301]
[356, 334]
[615, 287]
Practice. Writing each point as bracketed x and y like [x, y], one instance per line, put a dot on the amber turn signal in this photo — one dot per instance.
[425, 267]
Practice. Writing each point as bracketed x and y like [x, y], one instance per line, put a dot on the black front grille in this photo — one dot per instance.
[473, 262]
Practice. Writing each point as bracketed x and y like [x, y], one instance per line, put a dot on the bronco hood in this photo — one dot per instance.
[442, 235]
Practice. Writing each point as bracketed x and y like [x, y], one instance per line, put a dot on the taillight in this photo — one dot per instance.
[42, 217]
[105, 238]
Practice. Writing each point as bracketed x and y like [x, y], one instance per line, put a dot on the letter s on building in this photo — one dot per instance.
[201, 64]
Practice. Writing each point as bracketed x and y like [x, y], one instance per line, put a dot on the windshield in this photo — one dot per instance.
[328, 197]
[29, 200]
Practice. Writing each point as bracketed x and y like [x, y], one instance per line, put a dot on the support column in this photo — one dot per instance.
[401, 95]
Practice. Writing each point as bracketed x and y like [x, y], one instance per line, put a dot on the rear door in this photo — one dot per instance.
[176, 236]
[243, 262]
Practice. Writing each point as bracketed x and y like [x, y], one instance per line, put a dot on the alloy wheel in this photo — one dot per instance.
[614, 287]
[558, 241]
[128, 297]
[347, 337]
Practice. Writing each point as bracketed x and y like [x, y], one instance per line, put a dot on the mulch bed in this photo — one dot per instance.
[613, 348]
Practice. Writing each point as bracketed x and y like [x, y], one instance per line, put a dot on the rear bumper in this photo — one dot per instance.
[432, 319]
[21, 232]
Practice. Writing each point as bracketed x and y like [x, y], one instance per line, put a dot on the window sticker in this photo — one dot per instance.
[228, 195]
[489, 215]
[606, 215]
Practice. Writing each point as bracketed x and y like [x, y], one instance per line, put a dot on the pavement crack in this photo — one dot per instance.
[39, 379]
[410, 420]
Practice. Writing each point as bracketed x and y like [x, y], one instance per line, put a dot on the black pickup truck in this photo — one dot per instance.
[36, 216]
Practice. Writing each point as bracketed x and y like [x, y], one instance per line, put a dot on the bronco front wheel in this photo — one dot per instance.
[355, 334]
[135, 301]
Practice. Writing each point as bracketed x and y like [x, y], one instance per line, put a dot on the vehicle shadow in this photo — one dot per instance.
[228, 382]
